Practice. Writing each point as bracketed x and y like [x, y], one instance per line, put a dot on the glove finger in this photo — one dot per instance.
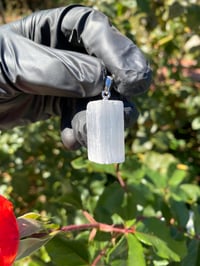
[69, 139]
[71, 132]
[130, 110]
[122, 58]
[131, 114]
[79, 127]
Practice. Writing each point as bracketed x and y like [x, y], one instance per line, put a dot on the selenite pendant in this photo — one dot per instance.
[105, 131]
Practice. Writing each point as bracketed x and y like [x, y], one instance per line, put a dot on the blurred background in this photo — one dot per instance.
[162, 164]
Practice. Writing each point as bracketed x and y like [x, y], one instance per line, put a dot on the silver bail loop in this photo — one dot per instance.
[106, 92]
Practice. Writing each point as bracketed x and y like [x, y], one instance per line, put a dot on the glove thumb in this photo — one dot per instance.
[69, 140]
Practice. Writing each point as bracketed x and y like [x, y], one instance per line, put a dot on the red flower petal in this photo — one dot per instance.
[9, 233]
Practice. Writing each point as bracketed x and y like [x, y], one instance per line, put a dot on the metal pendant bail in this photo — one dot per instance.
[108, 84]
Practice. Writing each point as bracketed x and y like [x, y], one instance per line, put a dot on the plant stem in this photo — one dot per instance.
[119, 178]
[99, 226]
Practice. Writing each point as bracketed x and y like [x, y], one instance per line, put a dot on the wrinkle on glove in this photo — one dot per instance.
[47, 71]
[122, 58]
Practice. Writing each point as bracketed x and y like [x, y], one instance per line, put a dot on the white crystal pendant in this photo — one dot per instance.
[105, 131]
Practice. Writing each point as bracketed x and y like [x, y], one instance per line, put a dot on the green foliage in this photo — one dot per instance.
[158, 192]
[68, 252]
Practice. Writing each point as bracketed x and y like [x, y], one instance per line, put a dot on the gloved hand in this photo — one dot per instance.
[54, 61]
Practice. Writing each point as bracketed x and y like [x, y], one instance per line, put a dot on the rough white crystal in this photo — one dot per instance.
[105, 131]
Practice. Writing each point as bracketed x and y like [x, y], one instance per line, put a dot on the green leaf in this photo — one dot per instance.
[177, 177]
[196, 123]
[135, 252]
[128, 206]
[158, 228]
[143, 6]
[196, 213]
[193, 11]
[175, 10]
[118, 252]
[70, 194]
[33, 223]
[132, 170]
[190, 192]
[29, 245]
[158, 180]
[109, 203]
[159, 245]
[82, 163]
[193, 255]
[68, 252]
[31, 215]
[120, 262]
[28, 227]
[161, 262]
[102, 168]
[79, 163]
[180, 212]
[159, 162]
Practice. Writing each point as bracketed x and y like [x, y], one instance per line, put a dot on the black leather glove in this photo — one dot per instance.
[54, 61]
